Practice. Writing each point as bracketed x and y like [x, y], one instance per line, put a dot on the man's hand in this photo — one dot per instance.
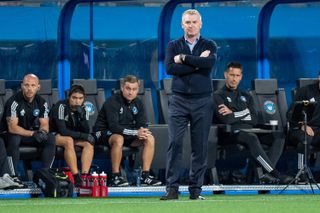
[309, 131]
[88, 137]
[143, 133]
[205, 53]
[224, 110]
[81, 112]
[177, 59]
[40, 136]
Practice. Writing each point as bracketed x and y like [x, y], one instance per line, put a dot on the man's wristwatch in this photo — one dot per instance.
[182, 57]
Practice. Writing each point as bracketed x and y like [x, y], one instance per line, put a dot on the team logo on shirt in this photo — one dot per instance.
[121, 110]
[269, 107]
[243, 98]
[89, 107]
[135, 110]
[22, 112]
[36, 112]
[229, 99]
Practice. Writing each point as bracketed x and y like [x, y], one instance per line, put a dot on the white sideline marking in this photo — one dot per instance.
[109, 201]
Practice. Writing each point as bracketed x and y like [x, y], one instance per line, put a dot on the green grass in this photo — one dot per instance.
[216, 204]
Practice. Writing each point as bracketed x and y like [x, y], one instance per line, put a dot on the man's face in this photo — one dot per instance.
[30, 86]
[191, 25]
[76, 99]
[233, 77]
[130, 90]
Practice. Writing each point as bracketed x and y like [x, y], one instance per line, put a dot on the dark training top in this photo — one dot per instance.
[308, 93]
[69, 123]
[240, 102]
[193, 77]
[28, 114]
[120, 116]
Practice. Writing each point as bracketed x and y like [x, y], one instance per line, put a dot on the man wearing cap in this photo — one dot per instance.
[69, 121]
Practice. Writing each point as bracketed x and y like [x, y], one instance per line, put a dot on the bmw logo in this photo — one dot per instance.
[36, 112]
[89, 107]
[269, 107]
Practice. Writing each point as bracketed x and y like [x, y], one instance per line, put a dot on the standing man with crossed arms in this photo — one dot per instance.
[190, 60]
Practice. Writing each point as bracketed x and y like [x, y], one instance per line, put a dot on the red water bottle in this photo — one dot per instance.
[95, 187]
[103, 185]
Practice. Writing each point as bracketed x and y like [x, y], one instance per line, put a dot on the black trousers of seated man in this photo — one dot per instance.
[4, 167]
[268, 160]
[297, 138]
[46, 149]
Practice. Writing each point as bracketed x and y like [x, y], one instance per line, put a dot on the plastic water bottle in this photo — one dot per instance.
[95, 187]
[138, 173]
[103, 184]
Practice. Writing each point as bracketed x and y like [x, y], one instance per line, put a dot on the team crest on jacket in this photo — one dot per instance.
[36, 112]
[121, 110]
[229, 99]
[89, 107]
[135, 110]
[269, 107]
[243, 98]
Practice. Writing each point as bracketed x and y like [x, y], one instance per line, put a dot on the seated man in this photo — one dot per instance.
[236, 108]
[122, 122]
[69, 123]
[297, 130]
[27, 122]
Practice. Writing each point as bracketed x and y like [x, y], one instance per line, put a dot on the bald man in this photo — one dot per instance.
[26, 122]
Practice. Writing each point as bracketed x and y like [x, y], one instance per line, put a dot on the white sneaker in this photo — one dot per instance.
[12, 182]
[4, 184]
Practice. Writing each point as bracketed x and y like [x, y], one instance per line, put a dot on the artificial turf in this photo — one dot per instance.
[215, 203]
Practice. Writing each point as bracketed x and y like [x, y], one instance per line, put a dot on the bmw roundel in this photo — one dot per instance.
[269, 107]
[89, 107]
[36, 112]
[135, 110]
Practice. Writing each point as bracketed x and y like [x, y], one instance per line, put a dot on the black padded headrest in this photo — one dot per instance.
[166, 85]
[301, 82]
[265, 86]
[2, 87]
[218, 84]
[45, 87]
[89, 85]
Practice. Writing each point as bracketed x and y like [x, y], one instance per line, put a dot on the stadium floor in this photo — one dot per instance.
[213, 203]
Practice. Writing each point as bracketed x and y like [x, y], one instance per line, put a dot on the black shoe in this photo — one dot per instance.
[118, 181]
[77, 180]
[149, 180]
[170, 195]
[267, 178]
[196, 196]
[285, 179]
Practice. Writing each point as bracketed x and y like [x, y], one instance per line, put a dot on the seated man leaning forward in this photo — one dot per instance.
[69, 121]
[122, 122]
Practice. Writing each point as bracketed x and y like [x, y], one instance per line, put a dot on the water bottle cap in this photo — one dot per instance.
[103, 174]
[95, 174]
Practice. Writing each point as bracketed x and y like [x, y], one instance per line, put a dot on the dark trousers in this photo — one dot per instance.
[4, 168]
[296, 138]
[252, 142]
[182, 111]
[47, 149]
